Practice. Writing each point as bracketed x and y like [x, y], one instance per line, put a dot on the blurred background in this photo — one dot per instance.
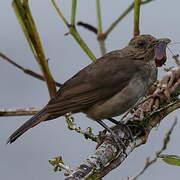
[28, 157]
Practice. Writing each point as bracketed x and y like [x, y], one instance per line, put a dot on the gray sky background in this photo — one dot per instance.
[28, 157]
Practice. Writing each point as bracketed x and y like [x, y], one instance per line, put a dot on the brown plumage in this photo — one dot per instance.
[108, 87]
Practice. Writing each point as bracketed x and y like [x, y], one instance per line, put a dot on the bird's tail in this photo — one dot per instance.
[36, 119]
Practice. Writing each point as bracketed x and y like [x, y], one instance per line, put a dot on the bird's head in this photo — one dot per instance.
[148, 46]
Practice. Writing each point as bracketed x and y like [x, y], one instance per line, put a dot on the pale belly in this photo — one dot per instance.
[121, 101]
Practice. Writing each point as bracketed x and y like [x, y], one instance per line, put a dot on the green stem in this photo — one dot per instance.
[59, 12]
[123, 15]
[120, 18]
[73, 30]
[137, 4]
[83, 45]
[100, 36]
[28, 26]
[99, 18]
[73, 12]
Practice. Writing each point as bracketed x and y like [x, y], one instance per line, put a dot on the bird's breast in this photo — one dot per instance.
[121, 101]
[151, 73]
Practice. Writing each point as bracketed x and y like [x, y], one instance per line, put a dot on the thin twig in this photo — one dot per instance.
[176, 58]
[74, 32]
[59, 12]
[150, 160]
[123, 15]
[88, 27]
[26, 71]
[19, 111]
[65, 167]
[88, 134]
[119, 19]
[58, 164]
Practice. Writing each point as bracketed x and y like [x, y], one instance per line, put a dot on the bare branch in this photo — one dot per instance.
[26, 71]
[19, 111]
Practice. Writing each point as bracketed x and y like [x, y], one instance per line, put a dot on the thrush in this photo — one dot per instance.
[108, 87]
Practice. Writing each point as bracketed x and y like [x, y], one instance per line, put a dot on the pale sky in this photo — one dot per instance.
[28, 157]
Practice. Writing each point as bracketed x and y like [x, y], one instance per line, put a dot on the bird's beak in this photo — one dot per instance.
[160, 51]
[165, 40]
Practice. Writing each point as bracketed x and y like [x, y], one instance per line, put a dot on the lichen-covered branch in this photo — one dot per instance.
[148, 114]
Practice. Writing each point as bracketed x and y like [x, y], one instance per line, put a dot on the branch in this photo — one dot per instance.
[107, 156]
[19, 111]
[26, 71]
[88, 27]
[88, 134]
[58, 164]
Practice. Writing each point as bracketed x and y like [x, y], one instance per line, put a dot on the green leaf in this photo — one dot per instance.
[55, 163]
[171, 159]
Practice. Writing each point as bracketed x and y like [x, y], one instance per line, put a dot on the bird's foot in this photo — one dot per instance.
[124, 127]
[164, 88]
[139, 129]
[119, 142]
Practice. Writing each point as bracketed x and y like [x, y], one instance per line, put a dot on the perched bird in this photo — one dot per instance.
[108, 87]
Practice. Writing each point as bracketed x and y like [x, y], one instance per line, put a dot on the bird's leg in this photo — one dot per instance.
[122, 125]
[117, 139]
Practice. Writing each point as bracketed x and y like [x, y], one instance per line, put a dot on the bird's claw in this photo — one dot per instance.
[119, 142]
[125, 128]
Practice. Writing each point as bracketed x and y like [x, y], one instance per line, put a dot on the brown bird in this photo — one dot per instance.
[108, 87]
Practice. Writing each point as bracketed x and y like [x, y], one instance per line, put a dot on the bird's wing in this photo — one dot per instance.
[96, 82]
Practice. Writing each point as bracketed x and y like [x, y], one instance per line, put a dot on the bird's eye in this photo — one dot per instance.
[141, 42]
